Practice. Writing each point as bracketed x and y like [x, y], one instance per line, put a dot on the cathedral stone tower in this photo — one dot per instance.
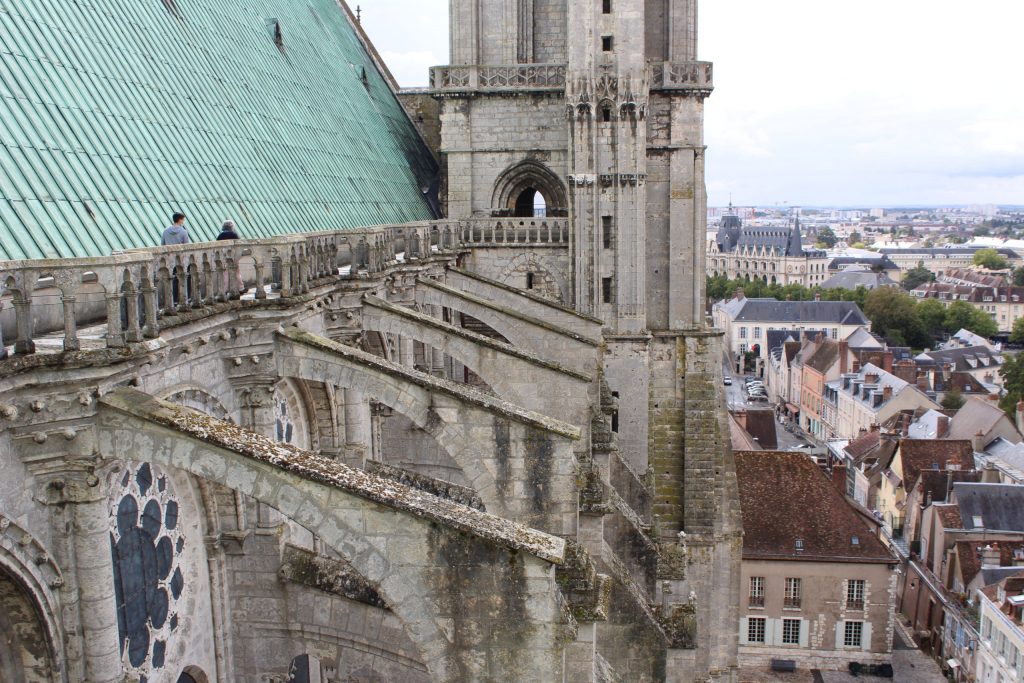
[597, 106]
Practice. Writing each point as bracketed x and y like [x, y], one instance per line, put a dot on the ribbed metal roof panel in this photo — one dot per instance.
[116, 113]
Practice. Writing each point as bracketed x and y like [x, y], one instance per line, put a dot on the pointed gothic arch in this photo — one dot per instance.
[518, 184]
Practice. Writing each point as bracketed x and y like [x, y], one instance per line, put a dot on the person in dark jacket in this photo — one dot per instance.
[227, 231]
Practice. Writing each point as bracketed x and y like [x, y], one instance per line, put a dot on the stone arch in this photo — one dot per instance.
[425, 558]
[481, 434]
[193, 674]
[292, 415]
[546, 281]
[197, 398]
[28, 648]
[522, 177]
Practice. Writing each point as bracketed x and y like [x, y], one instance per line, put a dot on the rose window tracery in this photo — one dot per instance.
[146, 545]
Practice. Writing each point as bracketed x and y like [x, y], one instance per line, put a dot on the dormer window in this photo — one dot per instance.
[977, 521]
[799, 545]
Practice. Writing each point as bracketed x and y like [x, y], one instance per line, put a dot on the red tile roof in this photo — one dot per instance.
[933, 454]
[950, 516]
[785, 497]
[969, 553]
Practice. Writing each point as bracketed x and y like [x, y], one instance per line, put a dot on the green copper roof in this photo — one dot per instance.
[116, 113]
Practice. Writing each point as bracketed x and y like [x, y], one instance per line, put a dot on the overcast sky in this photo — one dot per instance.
[819, 102]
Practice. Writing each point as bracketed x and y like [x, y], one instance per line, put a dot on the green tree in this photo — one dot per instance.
[981, 231]
[953, 400]
[1012, 371]
[916, 276]
[827, 237]
[893, 314]
[962, 315]
[854, 237]
[1017, 333]
[933, 317]
[991, 259]
[1018, 276]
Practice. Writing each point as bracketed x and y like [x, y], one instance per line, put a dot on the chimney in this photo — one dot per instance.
[922, 380]
[941, 427]
[887, 361]
[839, 478]
[886, 393]
[993, 397]
[844, 350]
[905, 370]
[990, 555]
[871, 378]
[817, 296]
[978, 442]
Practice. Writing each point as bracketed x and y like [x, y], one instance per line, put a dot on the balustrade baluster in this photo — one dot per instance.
[115, 334]
[258, 266]
[286, 277]
[134, 332]
[71, 342]
[195, 294]
[151, 329]
[24, 343]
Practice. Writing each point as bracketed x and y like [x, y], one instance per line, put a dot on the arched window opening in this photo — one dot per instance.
[531, 204]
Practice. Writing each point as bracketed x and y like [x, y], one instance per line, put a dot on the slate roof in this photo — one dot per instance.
[976, 415]
[116, 114]
[733, 235]
[773, 310]
[962, 359]
[934, 251]
[852, 279]
[937, 485]
[785, 497]
[824, 357]
[1000, 506]
[841, 262]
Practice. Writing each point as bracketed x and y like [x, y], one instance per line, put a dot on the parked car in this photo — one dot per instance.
[727, 381]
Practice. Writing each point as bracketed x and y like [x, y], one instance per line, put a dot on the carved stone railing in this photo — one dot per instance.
[496, 78]
[696, 76]
[511, 232]
[131, 295]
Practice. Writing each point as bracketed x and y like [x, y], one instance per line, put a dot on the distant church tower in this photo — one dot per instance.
[598, 107]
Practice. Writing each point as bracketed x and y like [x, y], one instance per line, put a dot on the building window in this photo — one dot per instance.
[606, 43]
[615, 413]
[743, 348]
[853, 631]
[606, 231]
[743, 333]
[606, 290]
[756, 629]
[756, 591]
[757, 333]
[835, 333]
[529, 280]
[792, 598]
[606, 7]
[790, 631]
[855, 594]
[606, 114]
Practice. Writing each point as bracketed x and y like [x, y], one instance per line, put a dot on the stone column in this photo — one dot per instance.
[406, 354]
[357, 421]
[82, 518]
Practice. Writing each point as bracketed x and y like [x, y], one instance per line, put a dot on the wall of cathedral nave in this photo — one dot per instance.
[545, 271]
[286, 600]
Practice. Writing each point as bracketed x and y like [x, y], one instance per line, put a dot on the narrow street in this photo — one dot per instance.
[736, 397]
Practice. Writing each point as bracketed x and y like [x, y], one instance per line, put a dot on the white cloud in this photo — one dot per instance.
[867, 103]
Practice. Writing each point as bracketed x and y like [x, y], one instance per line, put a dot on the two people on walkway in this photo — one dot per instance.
[177, 233]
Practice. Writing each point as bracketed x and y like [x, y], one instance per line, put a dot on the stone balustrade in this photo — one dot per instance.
[499, 232]
[497, 78]
[696, 76]
[133, 294]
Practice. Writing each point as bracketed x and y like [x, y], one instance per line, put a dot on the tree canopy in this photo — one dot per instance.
[991, 259]
[916, 276]
[893, 314]
[962, 315]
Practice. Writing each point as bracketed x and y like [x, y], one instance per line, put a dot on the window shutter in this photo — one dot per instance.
[805, 627]
[743, 631]
[839, 634]
[775, 633]
[865, 639]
